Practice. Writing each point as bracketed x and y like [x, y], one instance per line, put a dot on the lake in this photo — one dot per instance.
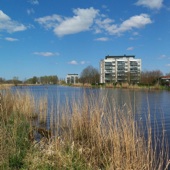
[141, 102]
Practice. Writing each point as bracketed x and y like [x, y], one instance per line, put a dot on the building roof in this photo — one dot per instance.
[72, 74]
[165, 77]
[122, 56]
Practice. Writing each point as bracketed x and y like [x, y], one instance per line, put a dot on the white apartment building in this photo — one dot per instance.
[120, 69]
[72, 78]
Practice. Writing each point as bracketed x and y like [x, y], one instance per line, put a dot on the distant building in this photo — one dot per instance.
[72, 78]
[120, 69]
[165, 80]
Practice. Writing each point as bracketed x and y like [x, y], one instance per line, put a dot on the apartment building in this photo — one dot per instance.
[120, 69]
[72, 78]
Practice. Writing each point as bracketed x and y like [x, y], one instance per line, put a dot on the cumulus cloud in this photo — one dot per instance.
[73, 62]
[11, 39]
[81, 21]
[90, 19]
[152, 4]
[102, 39]
[9, 25]
[50, 21]
[46, 54]
[134, 22]
[137, 21]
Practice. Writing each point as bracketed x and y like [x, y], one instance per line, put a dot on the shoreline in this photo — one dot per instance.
[105, 86]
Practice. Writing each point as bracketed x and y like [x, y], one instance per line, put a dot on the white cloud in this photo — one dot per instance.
[82, 21]
[152, 4]
[73, 62]
[130, 48]
[11, 39]
[9, 25]
[102, 39]
[90, 19]
[3, 16]
[46, 54]
[137, 22]
[49, 21]
[168, 65]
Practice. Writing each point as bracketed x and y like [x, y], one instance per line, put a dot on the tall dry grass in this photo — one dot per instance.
[94, 133]
[17, 112]
[109, 137]
[5, 86]
[90, 133]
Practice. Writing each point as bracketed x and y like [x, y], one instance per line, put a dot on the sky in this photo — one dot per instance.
[60, 37]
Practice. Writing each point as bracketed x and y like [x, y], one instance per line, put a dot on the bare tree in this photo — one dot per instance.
[90, 75]
[150, 77]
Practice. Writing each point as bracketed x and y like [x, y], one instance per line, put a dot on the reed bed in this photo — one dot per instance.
[5, 86]
[17, 114]
[90, 133]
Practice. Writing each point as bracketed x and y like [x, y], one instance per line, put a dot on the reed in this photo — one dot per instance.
[94, 133]
[5, 86]
[90, 133]
[16, 118]
[107, 137]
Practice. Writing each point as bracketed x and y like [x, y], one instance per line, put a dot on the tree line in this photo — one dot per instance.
[43, 80]
[89, 75]
[52, 79]
[92, 76]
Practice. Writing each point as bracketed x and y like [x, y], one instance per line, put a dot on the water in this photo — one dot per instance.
[142, 102]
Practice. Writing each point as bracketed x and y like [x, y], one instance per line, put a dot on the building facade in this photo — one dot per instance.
[115, 69]
[72, 78]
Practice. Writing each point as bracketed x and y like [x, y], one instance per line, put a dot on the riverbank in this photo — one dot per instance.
[123, 85]
[86, 85]
[93, 137]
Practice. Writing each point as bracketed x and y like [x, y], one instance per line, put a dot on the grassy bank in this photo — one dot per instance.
[123, 85]
[92, 133]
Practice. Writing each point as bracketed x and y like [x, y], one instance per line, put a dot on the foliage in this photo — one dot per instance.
[43, 80]
[2, 80]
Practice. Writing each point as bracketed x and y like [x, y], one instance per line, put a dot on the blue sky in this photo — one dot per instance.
[52, 37]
